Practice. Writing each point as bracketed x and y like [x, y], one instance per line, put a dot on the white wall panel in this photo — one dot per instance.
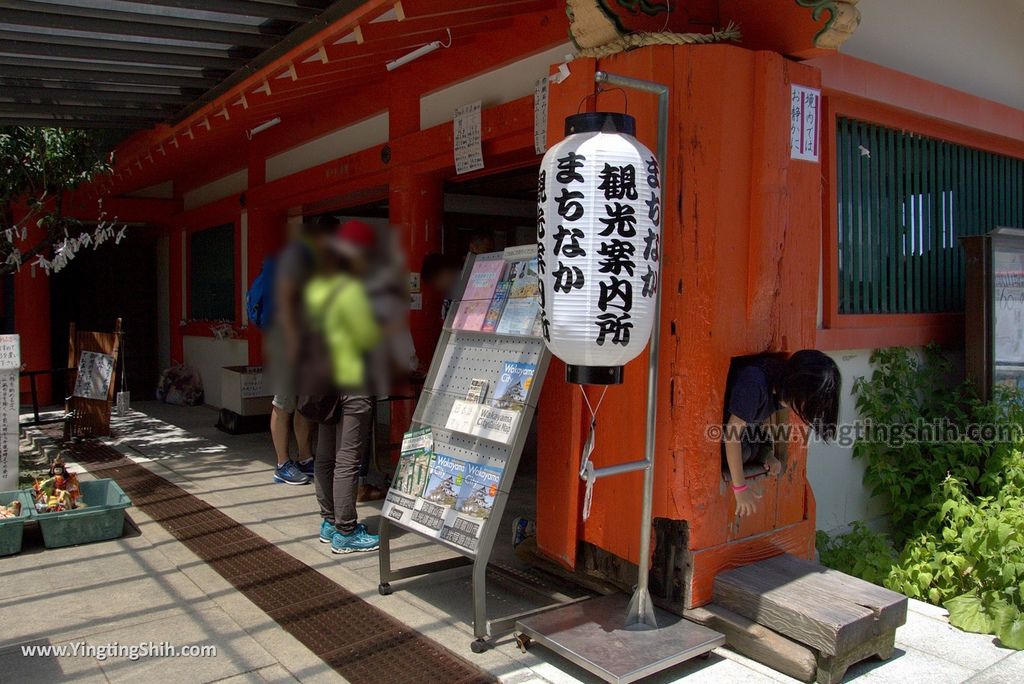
[336, 144]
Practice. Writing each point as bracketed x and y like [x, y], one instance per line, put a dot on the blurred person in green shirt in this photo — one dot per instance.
[338, 310]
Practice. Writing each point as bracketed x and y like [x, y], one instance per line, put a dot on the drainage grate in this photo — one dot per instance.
[363, 644]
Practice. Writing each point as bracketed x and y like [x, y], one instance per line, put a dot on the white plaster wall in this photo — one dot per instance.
[836, 478]
[219, 189]
[208, 356]
[339, 143]
[492, 88]
[976, 46]
[163, 190]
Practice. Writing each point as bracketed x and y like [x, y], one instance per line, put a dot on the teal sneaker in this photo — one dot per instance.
[360, 540]
[328, 530]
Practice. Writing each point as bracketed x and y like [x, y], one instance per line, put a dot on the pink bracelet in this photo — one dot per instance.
[741, 488]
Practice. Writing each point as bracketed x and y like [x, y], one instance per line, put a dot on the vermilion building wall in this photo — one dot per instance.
[741, 250]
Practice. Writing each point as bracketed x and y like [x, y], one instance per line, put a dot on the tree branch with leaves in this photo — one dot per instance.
[38, 167]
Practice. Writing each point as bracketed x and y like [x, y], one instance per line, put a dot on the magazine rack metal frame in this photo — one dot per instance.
[460, 356]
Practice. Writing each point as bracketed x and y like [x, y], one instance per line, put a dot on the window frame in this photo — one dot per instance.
[187, 271]
[860, 331]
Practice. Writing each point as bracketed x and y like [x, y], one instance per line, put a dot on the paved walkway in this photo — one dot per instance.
[147, 586]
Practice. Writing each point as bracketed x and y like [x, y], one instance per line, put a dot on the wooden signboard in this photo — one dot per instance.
[92, 358]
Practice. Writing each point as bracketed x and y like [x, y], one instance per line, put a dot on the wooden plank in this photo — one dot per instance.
[889, 607]
[805, 613]
[832, 669]
[758, 642]
[703, 565]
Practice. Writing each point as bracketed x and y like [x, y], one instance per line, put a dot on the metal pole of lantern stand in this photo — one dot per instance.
[640, 614]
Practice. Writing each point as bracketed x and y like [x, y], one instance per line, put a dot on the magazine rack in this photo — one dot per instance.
[461, 357]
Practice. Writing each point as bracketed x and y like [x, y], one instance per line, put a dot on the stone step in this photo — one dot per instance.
[842, 618]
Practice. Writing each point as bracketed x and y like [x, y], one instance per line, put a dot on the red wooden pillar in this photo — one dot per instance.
[416, 204]
[32, 322]
[741, 245]
[265, 236]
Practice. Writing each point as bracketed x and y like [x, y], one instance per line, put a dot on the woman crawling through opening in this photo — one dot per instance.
[808, 383]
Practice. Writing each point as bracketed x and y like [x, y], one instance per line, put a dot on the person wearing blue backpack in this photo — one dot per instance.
[275, 306]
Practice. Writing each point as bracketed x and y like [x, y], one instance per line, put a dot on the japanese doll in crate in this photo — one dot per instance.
[59, 492]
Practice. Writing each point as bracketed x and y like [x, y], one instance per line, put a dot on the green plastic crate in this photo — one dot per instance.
[12, 529]
[102, 518]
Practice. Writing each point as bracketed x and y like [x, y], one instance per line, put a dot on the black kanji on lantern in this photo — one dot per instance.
[615, 293]
[618, 257]
[569, 168]
[541, 221]
[568, 278]
[618, 182]
[542, 186]
[651, 246]
[541, 264]
[621, 220]
[567, 242]
[542, 294]
[653, 173]
[650, 280]
[616, 325]
[569, 206]
[654, 209]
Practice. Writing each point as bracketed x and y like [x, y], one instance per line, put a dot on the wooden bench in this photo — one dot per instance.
[841, 618]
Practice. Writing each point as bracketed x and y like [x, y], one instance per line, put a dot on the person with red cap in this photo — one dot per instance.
[339, 312]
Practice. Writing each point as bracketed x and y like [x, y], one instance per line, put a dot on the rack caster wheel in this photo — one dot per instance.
[523, 642]
[384, 589]
[704, 656]
[479, 646]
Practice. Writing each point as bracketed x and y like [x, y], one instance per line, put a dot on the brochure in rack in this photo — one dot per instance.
[523, 306]
[476, 299]
[453, 503]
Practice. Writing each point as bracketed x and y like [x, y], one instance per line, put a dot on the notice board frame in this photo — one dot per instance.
[458, 356]
[982, 309]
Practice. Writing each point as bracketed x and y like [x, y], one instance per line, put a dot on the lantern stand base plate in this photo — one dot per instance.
[593, 635]
[593, 375]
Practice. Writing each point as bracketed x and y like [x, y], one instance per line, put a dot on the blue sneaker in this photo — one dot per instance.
[289, 473]
[360, 540]
[328, 530]
[306, 466]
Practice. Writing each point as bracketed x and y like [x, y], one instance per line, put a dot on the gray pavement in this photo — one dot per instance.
[147, 586]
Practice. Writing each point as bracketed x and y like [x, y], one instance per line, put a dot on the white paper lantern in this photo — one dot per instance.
[598, 236]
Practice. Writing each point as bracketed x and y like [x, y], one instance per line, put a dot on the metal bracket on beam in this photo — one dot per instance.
[620, 469]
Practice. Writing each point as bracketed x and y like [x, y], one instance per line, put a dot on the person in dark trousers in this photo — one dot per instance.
[808, 383]
[339, 309]
[295, 266]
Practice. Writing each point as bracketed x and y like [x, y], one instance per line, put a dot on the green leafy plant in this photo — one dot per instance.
[905, 398]
[956, 499]
[861, 552]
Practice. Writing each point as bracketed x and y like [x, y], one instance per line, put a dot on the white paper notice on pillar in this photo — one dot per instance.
[469, 155]
[540, 116]
[95, 371]
[804, 124]
[10, 364]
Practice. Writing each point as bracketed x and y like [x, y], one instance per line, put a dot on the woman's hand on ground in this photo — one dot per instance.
[746, 502]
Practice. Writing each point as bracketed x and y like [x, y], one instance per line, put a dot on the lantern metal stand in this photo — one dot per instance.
[598, 635]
